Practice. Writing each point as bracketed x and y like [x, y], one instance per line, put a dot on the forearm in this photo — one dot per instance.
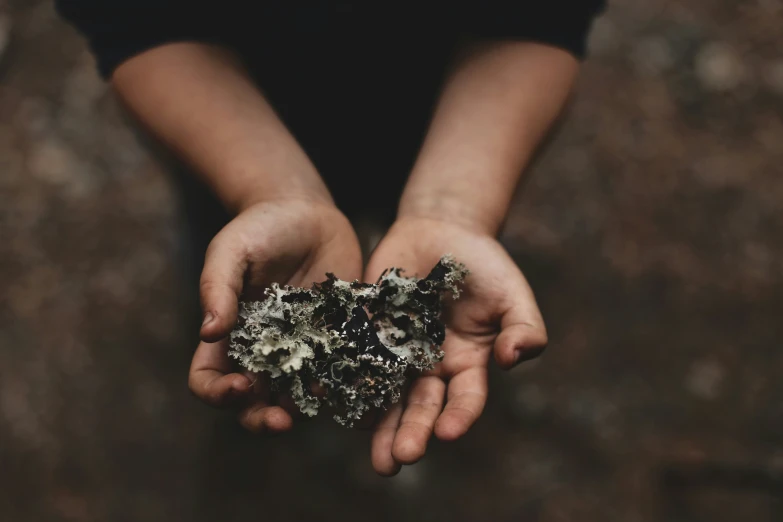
[494, 111]
[196, 99]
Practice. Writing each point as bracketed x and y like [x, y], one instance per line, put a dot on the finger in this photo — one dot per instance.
[467, 394]
[261, 417]
[424, 405]
[211, 379]
[523, 334]
[382, 440]
[519, 342]
[220, 287]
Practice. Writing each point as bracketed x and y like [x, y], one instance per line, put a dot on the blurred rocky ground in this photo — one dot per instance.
[650, 229]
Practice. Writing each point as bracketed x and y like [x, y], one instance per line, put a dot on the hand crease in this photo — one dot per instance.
[425, 404]
[472, 413]
[419, 424]
[457, 395]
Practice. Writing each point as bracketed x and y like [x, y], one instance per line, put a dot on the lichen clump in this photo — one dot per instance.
[359, 341]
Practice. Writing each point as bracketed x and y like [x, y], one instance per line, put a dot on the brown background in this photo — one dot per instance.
[650, 230]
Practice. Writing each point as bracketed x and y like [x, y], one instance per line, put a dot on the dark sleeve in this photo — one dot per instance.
[560, 23]
[119, 29]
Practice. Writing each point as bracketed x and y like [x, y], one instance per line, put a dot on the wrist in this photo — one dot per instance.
[313, 200]
[316, 194]
[448, 209]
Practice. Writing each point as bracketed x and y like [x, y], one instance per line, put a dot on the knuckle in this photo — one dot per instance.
[206, 285]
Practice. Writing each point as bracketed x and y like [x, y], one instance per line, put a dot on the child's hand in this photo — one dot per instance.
[285, 241]
[496, 313]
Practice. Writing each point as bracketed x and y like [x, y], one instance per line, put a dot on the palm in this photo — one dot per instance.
[497, 309]
[293, 243]
[289, 242]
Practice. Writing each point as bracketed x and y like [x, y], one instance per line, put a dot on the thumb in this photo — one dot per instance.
[523, 334]
[220, 287]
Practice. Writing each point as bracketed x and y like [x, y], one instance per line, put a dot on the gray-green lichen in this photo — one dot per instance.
[359, 341]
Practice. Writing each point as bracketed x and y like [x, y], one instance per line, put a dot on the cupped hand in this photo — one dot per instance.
[497, 313]
[291, 242]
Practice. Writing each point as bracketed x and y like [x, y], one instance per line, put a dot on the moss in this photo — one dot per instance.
[361, 342]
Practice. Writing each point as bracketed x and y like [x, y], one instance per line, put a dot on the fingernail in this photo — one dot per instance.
[207, 319]
[527, 354]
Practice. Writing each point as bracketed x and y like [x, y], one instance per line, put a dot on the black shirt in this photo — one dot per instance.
[119, 29]
[354, 82]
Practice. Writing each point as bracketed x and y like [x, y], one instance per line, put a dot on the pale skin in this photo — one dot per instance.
[495, 108]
